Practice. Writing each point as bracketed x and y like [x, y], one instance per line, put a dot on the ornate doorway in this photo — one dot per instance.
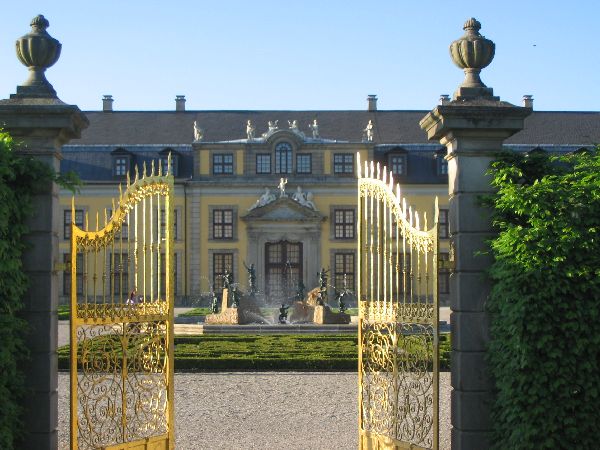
[283, 269]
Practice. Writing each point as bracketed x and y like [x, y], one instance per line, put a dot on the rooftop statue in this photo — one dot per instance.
[198, 132]
[368, 132]
[282, 183]
[293, 125]
[273, 125]
[314, 126]
[250, 130]
[305, 199]
[264, 199]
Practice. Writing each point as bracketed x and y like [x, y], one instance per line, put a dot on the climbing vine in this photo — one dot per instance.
[545, 302]
[20, 177]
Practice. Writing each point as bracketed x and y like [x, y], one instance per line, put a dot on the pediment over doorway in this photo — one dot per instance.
[284, 209]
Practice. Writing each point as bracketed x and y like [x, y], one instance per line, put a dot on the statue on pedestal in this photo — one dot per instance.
[322, 286]
[283, 314]
[264, 199]
[214, 306]
[251, 278]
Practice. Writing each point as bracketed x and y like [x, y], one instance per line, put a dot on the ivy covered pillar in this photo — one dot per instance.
[38, 119]
[473, 127]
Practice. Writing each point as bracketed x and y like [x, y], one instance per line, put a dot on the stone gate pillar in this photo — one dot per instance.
[473, 127]
[36, 117]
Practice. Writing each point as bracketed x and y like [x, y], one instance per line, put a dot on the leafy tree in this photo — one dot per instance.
[545, 302]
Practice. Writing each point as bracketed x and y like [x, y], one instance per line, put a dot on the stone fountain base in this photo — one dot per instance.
[248, 311]
[324, 315]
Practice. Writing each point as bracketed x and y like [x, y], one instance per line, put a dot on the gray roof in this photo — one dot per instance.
[171, 128]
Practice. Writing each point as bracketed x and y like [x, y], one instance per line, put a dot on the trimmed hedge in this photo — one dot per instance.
[545, 303]
[268, 353]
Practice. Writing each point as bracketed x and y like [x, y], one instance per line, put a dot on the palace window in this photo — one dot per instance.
[223, 164]
[221, 262]
[67, 274]
[120, 168]
[263, 163]
[283, 158]
[344, 223]
[67, 222]
[163, 224]
[443, 229]
[343, 163]
[444, 276]
[398, 164]
[343, 265]
[222, 223]
[163, 274]
[303, 163]
[119, 273]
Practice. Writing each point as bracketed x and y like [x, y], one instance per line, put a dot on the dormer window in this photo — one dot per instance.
[121, 160]
[164, 161]
[121, 166]
[283, 158]
[441, 163]
[397, 161]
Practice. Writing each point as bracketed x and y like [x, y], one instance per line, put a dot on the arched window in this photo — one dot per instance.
[283, 158]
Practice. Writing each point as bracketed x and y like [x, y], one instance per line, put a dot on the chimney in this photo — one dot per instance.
[371, 103]
[528, 101]
[180, 103]
[444, 99]
[107, 102]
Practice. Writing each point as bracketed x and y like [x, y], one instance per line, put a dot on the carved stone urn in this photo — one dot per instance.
[37, 50]
[472, 52]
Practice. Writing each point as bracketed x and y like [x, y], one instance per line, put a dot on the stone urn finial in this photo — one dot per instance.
[472, 52]
[37, 50]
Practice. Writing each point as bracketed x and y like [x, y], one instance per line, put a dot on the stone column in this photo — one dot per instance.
[43, 123]
[473, 127]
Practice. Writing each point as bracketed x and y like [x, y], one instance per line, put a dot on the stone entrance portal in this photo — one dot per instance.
[283, 269]
[287, 237]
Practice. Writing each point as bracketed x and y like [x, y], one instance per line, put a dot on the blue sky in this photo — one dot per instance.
[306, 54]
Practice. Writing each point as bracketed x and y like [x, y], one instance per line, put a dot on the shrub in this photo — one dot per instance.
[545, 301]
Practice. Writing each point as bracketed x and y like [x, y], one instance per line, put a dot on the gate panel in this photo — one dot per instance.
[122, 320]
[398, 318]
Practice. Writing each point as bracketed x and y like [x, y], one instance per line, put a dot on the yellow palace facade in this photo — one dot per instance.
[276, 189]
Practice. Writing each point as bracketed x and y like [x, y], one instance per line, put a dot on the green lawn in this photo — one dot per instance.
[64, 312]
[314, 352]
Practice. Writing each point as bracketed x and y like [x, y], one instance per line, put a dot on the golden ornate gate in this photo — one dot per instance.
[122, 320]
[398, 318]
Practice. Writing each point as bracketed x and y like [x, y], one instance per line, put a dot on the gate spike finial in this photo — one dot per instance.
[160, 167]
[137, 174]
[372, 174]
[87, 221]
[97, 220]
[152, 169]
[398, 192]
[425, 221]
[417, 220]
[144, 170]
[384, 174]
[120, 193]
[358, 174]
[391, 181]
[378, 171]
[105, 216]
[436, 211]
[72, 206]
[128, 180]
[169, 164]
[410, 216]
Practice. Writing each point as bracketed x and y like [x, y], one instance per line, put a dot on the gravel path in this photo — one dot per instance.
[266, 410]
